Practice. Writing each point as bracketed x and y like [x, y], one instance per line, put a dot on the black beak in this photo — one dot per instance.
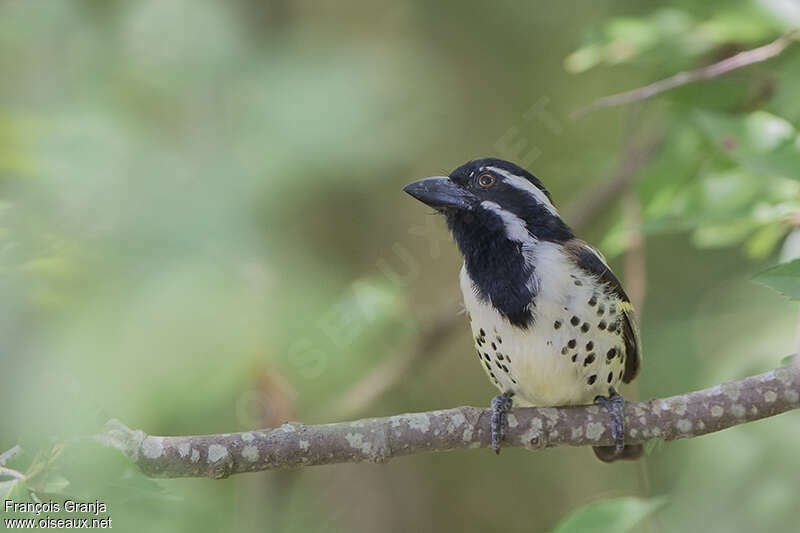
[440, 193]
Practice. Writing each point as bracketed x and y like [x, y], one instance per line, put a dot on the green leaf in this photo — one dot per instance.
[761, 244]
[6, 488]
[85, 469]
[759, 141]
[612, 516]
[786, 361]
[15, 489]
[56, 484]
[784, 278]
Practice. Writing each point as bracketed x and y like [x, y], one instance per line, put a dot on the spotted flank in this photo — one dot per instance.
[551, 323]
[576, 348]
[496, 364]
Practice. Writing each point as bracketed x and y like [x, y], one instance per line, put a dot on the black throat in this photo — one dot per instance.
[496, 265]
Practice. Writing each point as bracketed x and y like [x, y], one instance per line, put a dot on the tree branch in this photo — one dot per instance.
[740, 60]
[377, 440]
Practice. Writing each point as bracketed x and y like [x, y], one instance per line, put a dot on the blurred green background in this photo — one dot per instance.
[202, 230]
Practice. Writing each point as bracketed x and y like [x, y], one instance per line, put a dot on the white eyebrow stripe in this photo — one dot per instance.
[527, 186]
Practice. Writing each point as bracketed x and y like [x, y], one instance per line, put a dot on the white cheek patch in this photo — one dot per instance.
[525, 185]
[516, 230]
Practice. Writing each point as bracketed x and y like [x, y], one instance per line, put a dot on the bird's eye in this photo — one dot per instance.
[485, 180]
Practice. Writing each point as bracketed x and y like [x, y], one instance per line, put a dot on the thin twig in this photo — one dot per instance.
[740, 60]
[9, 454]
[398, 363]
[380, 439]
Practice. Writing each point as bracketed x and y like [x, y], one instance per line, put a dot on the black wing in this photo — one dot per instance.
[589, 260]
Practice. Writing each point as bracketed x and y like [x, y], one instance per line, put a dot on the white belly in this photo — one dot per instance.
[560, 359]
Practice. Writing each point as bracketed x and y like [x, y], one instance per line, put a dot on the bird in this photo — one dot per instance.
[551, 323]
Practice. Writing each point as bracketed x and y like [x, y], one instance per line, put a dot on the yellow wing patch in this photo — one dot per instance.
[624, 307]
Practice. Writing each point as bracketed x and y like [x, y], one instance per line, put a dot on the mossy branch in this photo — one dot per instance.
[377, 440]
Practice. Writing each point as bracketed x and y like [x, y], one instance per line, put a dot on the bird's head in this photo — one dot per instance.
[486, 199]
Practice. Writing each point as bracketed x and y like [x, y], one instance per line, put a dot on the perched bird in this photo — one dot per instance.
[552, 324]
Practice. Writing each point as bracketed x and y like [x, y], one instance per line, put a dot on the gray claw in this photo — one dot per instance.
[500, 406]
[615, 405]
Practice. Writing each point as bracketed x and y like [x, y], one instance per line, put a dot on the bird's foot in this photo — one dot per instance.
[500, 406]
[615, 405]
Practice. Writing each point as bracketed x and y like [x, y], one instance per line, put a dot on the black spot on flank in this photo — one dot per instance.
[483, 333]
[564, 351]
[612, 353]
[556, 324]
[592, 301]
[574, 357]
[572, 343]
[499, 356]
[610, 376]
[489, 368]
[493, 376]
[601, 309]
[589, 360]
[499, 340]
[505, 369]
[479, 354]
[592, 379]
[494, 347]
[578, 283]
[514, 381]
[612, 327]
[585, 327]
[486, 355]
[589, 346]
[602, 324]
[620, 375]
[479, 340]
[497, 363]
[574, 320]
[508, 359]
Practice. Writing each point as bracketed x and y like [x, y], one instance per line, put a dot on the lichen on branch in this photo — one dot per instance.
[295, 445]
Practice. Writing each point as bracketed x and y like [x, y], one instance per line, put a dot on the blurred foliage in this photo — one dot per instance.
[672, 36]
[202, 230]
[612, 516]
[784, 278]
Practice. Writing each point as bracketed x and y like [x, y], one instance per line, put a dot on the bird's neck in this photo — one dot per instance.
[501, 269]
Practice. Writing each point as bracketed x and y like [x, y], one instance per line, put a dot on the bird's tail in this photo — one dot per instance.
[608, 454]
